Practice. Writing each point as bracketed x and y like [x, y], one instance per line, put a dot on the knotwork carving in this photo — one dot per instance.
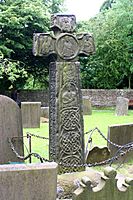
[70, 143]
[70, 128]
[70, 118]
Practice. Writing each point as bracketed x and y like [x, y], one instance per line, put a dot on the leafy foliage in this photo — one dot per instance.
[19, 20]
[55, 6]
[11, 74]
[111, 66]
[107, 5]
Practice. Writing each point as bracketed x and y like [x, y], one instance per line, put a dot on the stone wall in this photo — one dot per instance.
[99, 97]
[106, 97]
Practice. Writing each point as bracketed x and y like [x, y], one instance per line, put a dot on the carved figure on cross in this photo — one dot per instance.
[66, 45]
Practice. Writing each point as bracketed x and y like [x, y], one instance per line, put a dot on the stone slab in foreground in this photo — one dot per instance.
[28, 181]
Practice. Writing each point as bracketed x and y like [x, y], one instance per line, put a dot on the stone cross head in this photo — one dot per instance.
[63, 43]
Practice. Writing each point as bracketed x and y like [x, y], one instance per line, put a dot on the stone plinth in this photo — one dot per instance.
[120, 134]
[31, 114]
[87, 110]
[28, 182]
[10, 126]
[122, 106]
[45, 112]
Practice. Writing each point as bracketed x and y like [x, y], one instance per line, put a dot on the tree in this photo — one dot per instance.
[19, 19]
[111, 66]
[107, 5]
[55, 6]
[11, 74]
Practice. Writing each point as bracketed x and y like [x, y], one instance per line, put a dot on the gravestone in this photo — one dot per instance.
[65, 101]
[120, 134]
[122, 106]
[31, 114]
[10, 127]
[97, 154]
[28, 181]
[45, 112]
[87, 110]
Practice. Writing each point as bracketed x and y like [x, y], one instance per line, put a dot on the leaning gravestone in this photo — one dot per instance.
[65, 114]
[97, 154]
[10, 127]
[87, 109]
[121, 106]
[31, 112]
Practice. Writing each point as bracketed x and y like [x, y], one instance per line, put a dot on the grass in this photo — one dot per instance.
[99, 118]
[102, 119]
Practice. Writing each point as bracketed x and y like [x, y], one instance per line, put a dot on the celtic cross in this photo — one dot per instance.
[65, 100]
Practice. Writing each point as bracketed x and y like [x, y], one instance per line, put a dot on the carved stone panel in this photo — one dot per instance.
[64, 23]
[67, 46]
[69, 116]
[43, 44]
[86, 44]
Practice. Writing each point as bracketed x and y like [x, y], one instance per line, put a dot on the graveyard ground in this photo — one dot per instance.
[99, 118]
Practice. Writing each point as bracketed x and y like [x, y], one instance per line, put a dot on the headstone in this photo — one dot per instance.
[31, 114]
[97, 154]
[45, 112]
[10, 127]
[28, 181]
[122, 106]
[65, 101]
[120, 134]
[87, 110]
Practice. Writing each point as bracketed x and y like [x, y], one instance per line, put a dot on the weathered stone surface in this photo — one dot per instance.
[69, 115]
[97, 154]
[87, 109]
[28, 181]
[120, 134]
[121, 106]
[69, 182]
[10, 126]
[66, 120]
[45, 112]
[31, 114]
[107, 188]
[66, 115]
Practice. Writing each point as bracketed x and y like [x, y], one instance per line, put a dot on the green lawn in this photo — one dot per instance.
[99, 118]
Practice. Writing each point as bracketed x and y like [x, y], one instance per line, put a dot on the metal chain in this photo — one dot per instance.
[105, 162]
[37, 136]
[128, 147]
[36, 155]
[112, 143]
